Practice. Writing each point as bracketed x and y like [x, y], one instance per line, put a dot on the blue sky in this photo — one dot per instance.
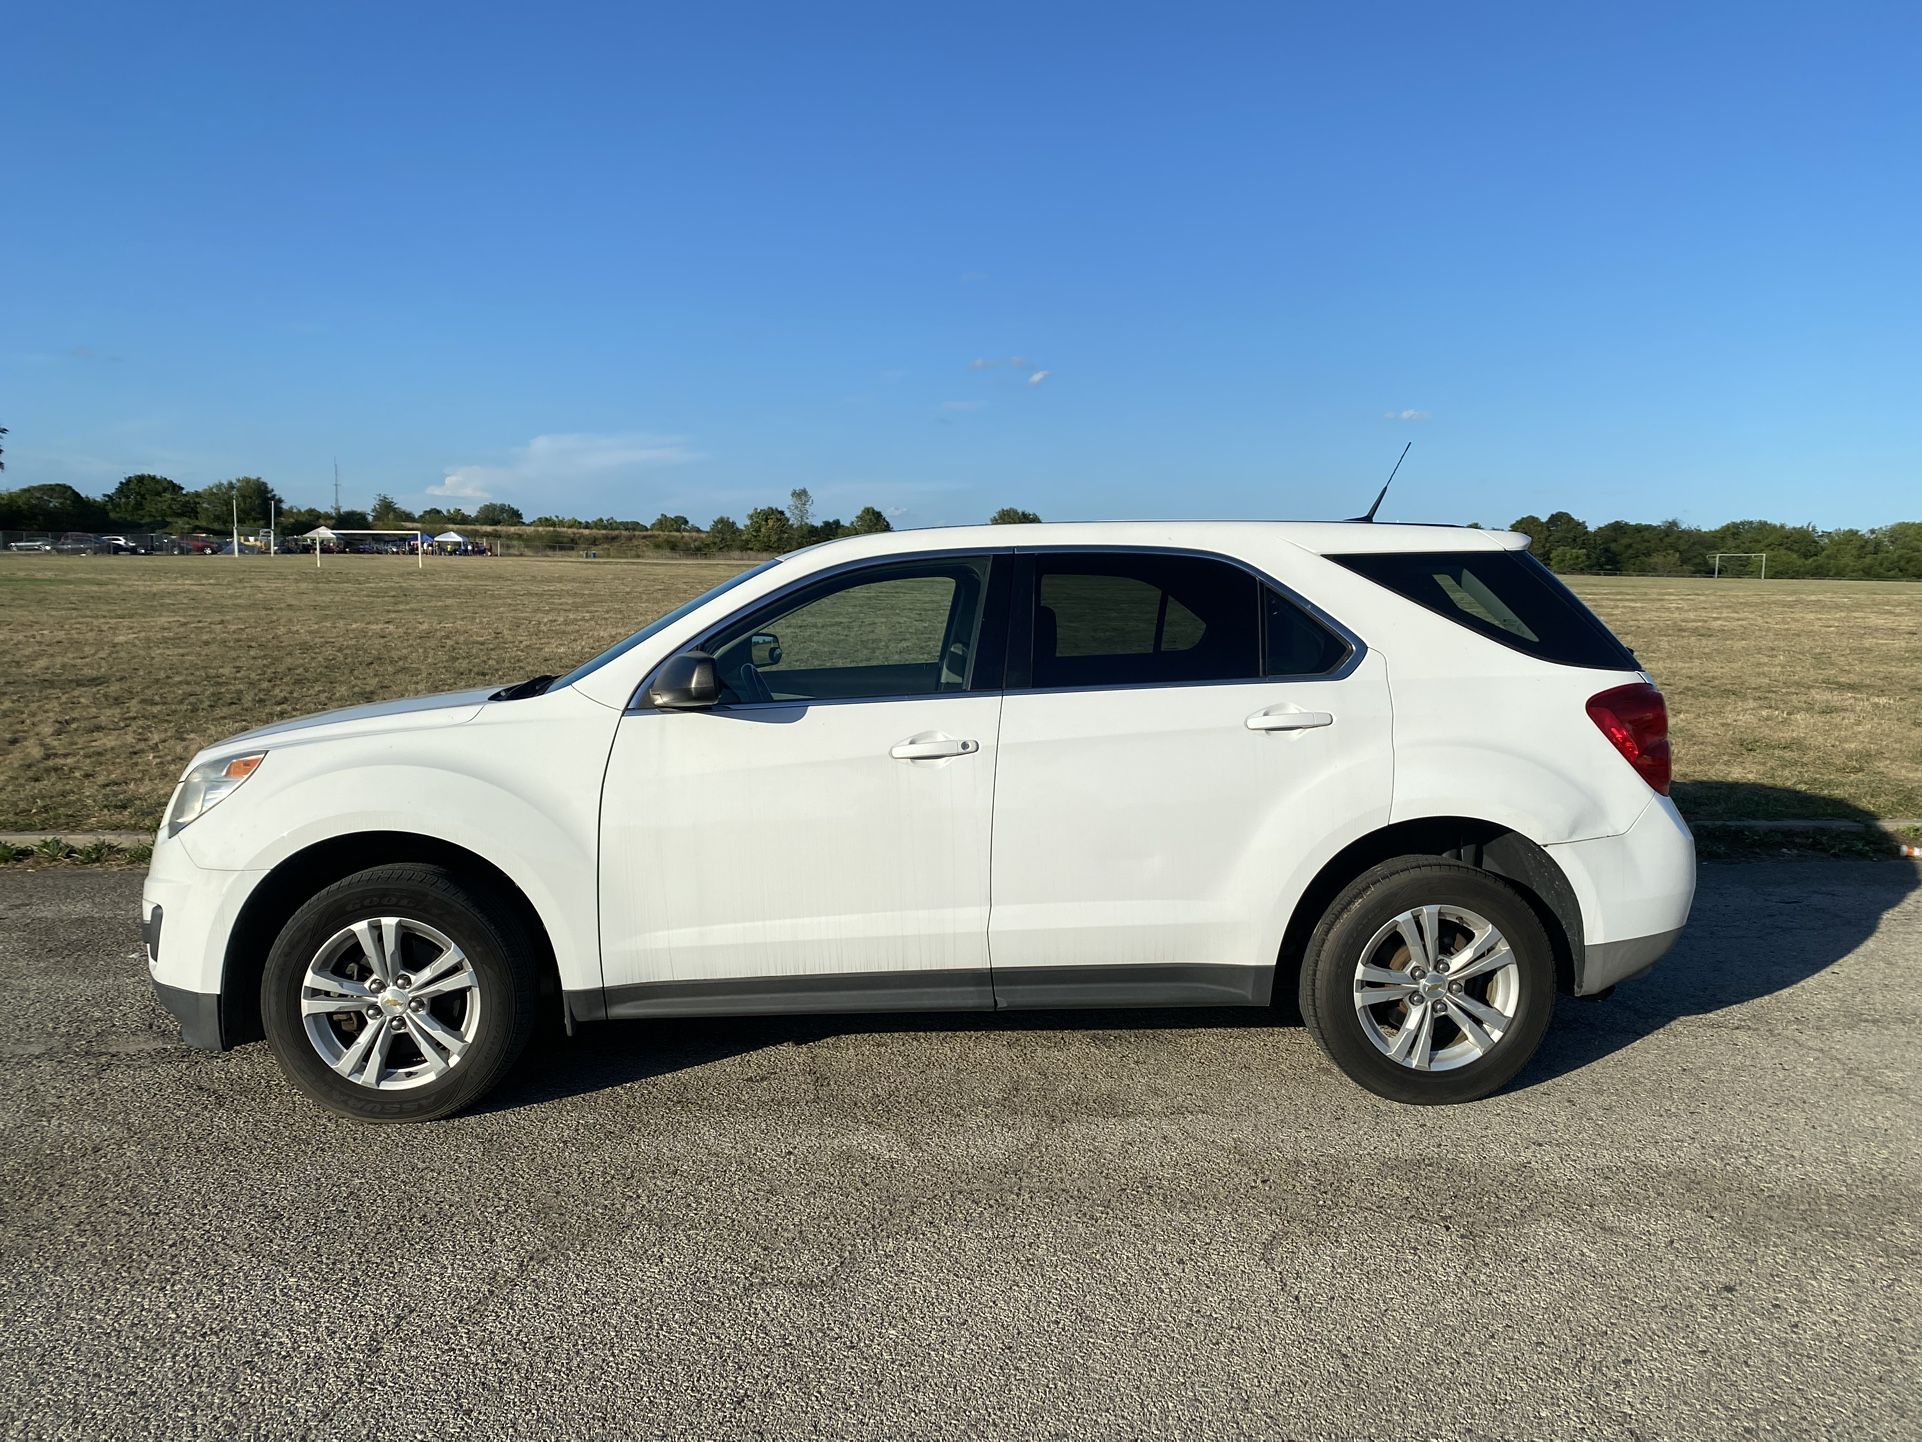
[1096, 260]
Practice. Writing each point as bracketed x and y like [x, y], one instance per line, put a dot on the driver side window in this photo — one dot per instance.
[909, 629]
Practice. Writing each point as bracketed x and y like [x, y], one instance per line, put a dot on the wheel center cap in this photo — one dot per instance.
[393, 1000]
[1434, 985]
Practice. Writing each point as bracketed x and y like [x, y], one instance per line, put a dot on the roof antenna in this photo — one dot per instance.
[1385, 485]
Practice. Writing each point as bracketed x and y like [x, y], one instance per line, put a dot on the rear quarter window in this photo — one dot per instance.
[1507, 596]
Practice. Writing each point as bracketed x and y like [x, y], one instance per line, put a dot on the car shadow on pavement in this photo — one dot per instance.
[1783, 912]
[1758, 927]
[614, 1054]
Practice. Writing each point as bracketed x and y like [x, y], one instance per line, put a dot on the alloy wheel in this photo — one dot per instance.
[1437, 988]
[390, 1003]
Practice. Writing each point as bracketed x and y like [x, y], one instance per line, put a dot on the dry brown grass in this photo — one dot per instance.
[1787, 698]
[118, 668]
[1790, 698]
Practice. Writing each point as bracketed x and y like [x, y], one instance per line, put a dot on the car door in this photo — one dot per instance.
[819, 839]
[1179, 736]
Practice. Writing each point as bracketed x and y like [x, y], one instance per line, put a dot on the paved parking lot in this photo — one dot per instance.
[1699, 1215]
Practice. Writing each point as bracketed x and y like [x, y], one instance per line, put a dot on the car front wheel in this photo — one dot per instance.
[398, 994]
[1429, 981]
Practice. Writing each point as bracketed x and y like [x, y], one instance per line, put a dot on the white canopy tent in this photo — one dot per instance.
[330, 533]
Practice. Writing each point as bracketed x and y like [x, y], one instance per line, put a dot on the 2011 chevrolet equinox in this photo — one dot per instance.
[1397, 771]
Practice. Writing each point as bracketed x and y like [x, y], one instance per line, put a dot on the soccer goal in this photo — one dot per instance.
[1721, 557]
[321, 534]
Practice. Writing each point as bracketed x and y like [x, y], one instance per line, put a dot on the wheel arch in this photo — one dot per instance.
[284, 889]
[1485, 845]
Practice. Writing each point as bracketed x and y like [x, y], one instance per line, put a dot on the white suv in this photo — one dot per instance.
[1398, 772]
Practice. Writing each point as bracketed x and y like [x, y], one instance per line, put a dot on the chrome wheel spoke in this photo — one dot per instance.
[442, 981]
[1418, 930]
[1367, 996]
[439, 1047]
[1416, 1038]
[1485, 1017]
[371, 1043]
[330, 1005]
[450, 957]
[1486, 951]
[1477, 1037]
[337, 993]
[380, 943]
[1381, 985]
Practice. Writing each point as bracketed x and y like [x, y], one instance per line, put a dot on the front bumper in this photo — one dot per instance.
[198, 1013]
[186, 915]
[1634, 890]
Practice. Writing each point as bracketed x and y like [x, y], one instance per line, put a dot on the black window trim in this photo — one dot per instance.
[1011, 592]
[1020, 651]
[993, 602]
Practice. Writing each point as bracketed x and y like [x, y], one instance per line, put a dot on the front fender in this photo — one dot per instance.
[519, 788]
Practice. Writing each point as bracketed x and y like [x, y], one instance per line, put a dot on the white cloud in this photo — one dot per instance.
[1407, 415]
[563, 457]
[467, 483]
[1038, 377]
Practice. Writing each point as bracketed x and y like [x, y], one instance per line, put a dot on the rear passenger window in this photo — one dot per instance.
[1130, 620]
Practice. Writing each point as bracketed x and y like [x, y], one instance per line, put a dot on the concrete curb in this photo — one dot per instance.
[1809, 824]
[76, 838]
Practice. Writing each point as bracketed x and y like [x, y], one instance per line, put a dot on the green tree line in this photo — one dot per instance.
[1669, 548]
[151, 503]
[1567, 544]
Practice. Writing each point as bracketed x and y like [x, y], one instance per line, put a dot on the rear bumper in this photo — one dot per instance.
[1634, 890]
[1614, 961]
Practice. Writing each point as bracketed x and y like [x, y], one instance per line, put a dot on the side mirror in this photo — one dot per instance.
[764, 649]
[687, 682]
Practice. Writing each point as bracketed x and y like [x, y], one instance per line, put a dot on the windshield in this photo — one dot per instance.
[686, 608]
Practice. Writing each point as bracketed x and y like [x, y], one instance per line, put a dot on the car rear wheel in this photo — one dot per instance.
[398, 994]
[1429, 981]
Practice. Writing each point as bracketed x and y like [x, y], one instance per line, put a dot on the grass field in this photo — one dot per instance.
[1790, 699]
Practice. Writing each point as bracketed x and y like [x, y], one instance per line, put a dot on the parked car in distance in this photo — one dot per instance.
[38, 546]
[1397, 775]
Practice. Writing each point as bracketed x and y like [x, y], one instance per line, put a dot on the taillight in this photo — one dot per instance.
[1635, 720]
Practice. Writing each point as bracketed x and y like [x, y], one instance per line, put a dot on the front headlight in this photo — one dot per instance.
[207, 785]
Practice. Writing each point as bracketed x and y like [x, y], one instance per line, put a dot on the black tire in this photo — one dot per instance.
[491, 939]
[1371, 902]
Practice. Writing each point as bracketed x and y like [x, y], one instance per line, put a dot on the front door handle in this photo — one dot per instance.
[1289, 720]
[932, 750]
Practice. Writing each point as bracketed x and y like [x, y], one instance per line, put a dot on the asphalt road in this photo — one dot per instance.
[1699, 1215]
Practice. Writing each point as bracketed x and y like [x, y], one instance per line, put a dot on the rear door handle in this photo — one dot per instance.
[1289, 720]
[932, 750]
